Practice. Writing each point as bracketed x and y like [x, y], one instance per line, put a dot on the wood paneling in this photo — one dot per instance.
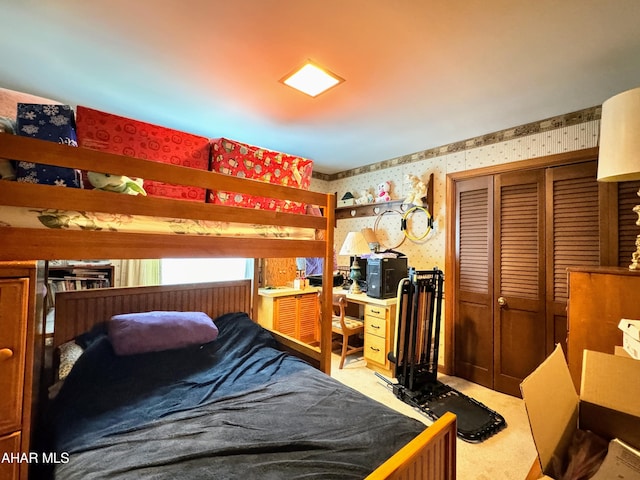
[77, 312]
[278, 272]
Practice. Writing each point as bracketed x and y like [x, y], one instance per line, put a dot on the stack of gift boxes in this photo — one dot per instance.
[106, 132]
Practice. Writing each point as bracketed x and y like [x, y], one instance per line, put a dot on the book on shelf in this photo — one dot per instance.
[82, 275]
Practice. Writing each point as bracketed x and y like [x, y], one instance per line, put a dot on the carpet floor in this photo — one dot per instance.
[508, 455]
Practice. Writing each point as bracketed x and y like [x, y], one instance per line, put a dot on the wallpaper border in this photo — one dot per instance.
[552, 123]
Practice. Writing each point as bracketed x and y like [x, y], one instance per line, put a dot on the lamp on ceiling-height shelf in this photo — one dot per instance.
[619, 157]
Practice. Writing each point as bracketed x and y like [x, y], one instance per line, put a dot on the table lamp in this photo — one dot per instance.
[355, 245]
[619, 157]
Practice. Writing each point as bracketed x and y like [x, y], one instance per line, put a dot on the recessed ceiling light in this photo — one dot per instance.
[312, 79]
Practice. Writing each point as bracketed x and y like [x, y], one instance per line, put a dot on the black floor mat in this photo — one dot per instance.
[475, 421]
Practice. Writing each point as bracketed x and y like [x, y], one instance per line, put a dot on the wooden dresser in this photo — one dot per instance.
[21, 289]
[598, 298]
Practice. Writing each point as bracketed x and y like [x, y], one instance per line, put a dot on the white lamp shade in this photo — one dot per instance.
[354, 245]
[619, 157]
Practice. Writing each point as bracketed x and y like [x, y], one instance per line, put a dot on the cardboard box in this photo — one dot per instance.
[123, 136]
[607, 405]
[631, 337]
[619, 350]
[248, 161]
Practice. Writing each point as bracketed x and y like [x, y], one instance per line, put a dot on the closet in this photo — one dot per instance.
[512, 232]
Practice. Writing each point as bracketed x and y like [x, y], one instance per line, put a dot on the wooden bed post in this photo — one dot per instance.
[327, 283]
[255, 285]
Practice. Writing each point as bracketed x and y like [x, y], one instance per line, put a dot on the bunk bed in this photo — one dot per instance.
[430, 455]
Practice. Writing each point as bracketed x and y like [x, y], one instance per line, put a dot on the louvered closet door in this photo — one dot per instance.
[572, 238]
[519, 283]
[474, 281]
[516, 233]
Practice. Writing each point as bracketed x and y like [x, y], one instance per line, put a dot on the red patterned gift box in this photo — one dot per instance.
[247, 161]
[114, 134]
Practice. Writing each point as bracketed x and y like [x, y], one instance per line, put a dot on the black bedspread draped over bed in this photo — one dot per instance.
[235, 408]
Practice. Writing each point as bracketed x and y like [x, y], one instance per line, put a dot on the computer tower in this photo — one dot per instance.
[384, 275]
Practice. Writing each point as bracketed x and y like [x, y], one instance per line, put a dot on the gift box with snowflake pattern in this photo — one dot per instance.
[54, 123]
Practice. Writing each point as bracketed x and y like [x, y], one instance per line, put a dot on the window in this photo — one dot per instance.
[194, 270]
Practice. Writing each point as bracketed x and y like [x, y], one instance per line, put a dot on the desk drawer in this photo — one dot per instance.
[375, 349]
[375, 311]
[375, 326]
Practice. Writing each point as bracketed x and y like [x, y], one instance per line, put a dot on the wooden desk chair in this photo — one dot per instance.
[346, 327]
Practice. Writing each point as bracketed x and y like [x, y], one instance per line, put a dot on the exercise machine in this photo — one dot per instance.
[419, 313]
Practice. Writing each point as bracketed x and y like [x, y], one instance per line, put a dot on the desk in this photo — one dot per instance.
[379, 328]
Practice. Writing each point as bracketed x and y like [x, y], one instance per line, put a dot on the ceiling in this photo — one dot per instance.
[419, 73]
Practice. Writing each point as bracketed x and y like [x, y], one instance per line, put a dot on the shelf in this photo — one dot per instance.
[77, 276]
[375, 209]
[369, 210]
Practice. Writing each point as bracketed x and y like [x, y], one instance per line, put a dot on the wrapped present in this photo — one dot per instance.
[115, 134]
[247, 161]
[54, 123]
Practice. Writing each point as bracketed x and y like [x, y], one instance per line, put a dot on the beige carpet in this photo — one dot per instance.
[508, 455]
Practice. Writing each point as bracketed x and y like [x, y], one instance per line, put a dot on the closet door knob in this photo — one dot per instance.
[5, 353]
[502, 301]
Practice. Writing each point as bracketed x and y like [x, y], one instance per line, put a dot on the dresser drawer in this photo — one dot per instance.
[10, 444]
[375, 326]
[13, 308]
[375, 311]
[375, 349]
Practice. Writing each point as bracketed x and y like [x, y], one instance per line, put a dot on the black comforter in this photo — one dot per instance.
[235, 408]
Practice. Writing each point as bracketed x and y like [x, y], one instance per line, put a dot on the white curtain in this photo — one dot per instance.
[133, 273]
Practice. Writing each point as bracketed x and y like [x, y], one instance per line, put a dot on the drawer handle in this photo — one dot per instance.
[374, 349]
[375, 326]
[5, 353]
[375, 311]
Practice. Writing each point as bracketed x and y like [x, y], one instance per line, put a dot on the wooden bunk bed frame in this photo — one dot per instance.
[429, 456]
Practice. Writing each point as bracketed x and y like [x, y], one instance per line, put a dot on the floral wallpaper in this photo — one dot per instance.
[570, 132]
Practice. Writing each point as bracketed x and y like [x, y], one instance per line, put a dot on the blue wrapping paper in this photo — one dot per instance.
[54, 123]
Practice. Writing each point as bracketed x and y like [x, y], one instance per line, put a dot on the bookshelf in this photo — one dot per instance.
[77, 275]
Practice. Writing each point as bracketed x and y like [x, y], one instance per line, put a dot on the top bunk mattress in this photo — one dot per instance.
[42, 218]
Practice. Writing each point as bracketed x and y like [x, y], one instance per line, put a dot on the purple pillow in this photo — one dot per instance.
[132, 333]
